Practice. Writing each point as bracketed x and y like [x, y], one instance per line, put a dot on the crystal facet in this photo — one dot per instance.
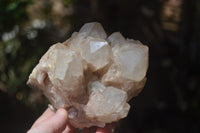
[93, 29]
[93, 77]
[116, 38]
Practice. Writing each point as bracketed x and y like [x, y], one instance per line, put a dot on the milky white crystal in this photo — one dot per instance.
[93, 77]
[93, 29]
[116, 38]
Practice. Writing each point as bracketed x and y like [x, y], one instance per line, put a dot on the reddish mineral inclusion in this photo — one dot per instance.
[92, 76]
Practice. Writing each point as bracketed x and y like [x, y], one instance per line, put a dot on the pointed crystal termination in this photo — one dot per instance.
[94, 29]
[97, 53]
[116, 38]
[132, 61]
[92, 76]
[105, 102]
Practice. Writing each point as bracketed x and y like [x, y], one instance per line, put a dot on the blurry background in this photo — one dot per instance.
[170, 101]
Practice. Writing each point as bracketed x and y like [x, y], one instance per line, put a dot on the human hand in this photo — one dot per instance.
[51, 122]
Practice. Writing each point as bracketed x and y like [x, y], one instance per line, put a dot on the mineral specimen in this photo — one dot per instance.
[92, 76]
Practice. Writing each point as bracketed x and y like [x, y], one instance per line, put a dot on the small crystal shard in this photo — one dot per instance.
[93, 77]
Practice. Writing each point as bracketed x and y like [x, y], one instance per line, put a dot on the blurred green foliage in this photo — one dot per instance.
[26, 33]
[12, 68]
[12, 12]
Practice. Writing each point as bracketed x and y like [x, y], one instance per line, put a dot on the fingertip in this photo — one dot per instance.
[52, 122]
[46, 115]
[61, 116]
[57, 122]
[62, 112]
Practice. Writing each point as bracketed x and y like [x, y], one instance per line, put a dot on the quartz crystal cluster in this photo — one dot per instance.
[92, 75]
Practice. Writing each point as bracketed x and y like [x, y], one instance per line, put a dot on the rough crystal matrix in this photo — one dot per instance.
[91, 75]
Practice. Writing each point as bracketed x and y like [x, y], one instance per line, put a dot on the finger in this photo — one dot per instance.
[89, 130]
[109, 128]
[58, 122]
[54, 124]
[47, 114]
[70, 129]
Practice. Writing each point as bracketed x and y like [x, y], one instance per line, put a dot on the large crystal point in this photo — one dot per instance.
[130, 62]
[92, 76]
[93, 29]
[116, 38]
[106, 103]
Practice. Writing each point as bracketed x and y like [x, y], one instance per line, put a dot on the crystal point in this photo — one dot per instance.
[116, 38]
[94, 29]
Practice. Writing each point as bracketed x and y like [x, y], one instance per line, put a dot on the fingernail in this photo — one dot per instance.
[51, 108]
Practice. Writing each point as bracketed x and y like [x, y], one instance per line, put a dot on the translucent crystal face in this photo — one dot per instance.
[92, 76]
[95, 51]
[133, 61]
[93, 29]
[105, 101]
[116, 38]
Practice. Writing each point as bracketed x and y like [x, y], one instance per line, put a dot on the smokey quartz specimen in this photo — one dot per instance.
[92, 76]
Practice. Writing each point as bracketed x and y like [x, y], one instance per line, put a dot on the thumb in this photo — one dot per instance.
[54, 124]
